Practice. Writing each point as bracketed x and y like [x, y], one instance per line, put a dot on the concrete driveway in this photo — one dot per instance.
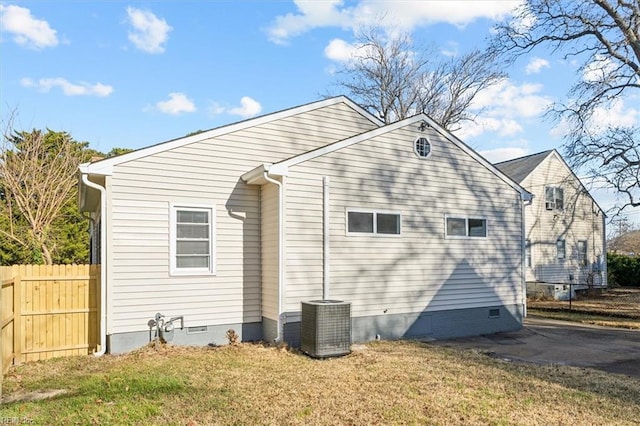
[545, 341]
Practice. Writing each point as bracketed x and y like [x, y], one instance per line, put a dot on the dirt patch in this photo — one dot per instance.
[33, 396]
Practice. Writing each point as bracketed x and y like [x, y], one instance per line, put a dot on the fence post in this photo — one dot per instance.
[17, 320]
[1, 340]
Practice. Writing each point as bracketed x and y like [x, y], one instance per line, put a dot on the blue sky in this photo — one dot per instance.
[132, 74]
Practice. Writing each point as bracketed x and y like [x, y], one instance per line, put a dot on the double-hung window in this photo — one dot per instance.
[466, 227]
[560, 249]
[582, 252]
[192, 240]
[373, 222]
[553, 198]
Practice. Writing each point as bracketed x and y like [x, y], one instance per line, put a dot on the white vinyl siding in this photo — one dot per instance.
[203, 173]
[423, 270]
[269, 232]
[579, 220]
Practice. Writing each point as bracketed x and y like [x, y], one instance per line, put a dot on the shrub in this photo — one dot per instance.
[623, 270]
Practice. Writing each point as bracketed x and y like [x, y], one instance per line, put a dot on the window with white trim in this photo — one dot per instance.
[582, 252]
[560, 249]
[527, 253]
[192, 240]
[466, 227]
[422, 147]
[373, 222]
[553, 198]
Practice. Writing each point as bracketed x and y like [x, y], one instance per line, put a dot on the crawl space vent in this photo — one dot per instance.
[326, 328]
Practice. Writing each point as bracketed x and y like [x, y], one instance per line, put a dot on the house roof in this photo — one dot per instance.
[105, 166]
[519, 168]
[281, 168]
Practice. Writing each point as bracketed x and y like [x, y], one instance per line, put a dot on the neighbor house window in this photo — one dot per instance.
[582, 252]
[560, 249]
[192, 240]
[422, 147]
[527, 253]
[553, 198]
[466, 227]
[373, 222]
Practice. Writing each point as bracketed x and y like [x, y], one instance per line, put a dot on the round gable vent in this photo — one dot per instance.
[422, 147]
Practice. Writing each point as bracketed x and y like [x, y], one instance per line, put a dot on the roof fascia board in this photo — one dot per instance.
[105, 167]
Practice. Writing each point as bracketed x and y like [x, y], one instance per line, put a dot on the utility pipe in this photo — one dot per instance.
[266, 176]
[326, 236]
[103, 260]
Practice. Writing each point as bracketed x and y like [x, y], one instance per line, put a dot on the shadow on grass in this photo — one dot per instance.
[581, 382]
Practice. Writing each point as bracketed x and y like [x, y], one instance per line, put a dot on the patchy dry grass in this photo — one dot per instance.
[380, 383]
[613, 308]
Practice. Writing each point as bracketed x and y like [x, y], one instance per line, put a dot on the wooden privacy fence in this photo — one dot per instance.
[48, 311]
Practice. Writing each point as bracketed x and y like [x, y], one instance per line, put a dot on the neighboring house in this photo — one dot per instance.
[234, 227]
[565, 227]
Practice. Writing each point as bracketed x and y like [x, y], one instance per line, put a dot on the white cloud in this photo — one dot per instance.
[248, 108]
[510, 100]
[317, 14]
[598, 69]
[69, 89]
[27, 30]
[149, 32]
[616, 114]
[535, 65]
[450, 49]
[176, 104]
[503, 154]
[339, 50]
[503, 108]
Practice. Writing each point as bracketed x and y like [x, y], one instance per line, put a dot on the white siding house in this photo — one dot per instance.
[226, 228]
[565, 227]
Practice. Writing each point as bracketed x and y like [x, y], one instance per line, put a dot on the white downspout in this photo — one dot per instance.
[103, 260]
[326, 236]
[280, 335]
[523, 226]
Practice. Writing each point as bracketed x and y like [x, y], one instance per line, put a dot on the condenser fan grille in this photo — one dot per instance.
[326, 328]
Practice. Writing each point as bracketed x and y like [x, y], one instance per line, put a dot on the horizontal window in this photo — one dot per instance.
[466, 227]
[373, 222]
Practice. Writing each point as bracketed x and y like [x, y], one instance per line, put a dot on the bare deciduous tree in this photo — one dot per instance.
[603, 36]
[37, 175]
[393, 78]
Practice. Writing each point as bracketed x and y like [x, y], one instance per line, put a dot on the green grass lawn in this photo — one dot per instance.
[379, 383]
